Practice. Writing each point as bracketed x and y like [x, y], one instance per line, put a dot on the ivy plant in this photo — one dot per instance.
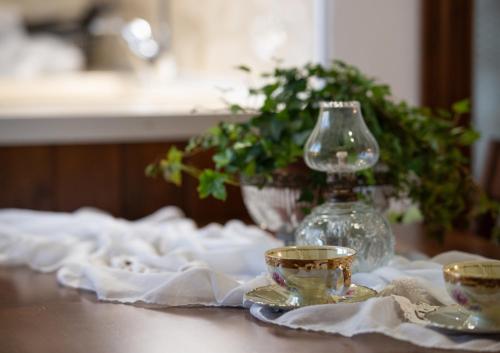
[421, 150]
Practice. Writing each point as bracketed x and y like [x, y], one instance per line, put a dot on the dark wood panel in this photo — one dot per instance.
[88, 176]
[143, 195]
[491, 184]
[446, 51]
[109, 177]
[26, 177]
[491, 177]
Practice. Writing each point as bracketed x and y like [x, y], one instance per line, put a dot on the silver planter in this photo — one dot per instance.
[276, 207]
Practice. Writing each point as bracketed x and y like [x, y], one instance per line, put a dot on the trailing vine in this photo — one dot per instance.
[421, 150]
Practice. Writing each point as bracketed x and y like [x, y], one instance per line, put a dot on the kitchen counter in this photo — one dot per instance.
[100, 107]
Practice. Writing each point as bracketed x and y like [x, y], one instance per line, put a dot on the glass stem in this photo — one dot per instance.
[342, 186]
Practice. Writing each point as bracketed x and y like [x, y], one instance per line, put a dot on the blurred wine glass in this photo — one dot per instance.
[146, 40]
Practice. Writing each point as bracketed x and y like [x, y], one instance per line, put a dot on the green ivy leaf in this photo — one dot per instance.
[243, 68]
[152, 170]
[174, 155]
[301, 137]
[468, 137]
[212, 183]
[223, 158]
[172, 166]
[380, 91]
[461, 107]
[394, 217]
[250, 168]
[236, 108]
[306, 195]
[412, 215]
[276, 129]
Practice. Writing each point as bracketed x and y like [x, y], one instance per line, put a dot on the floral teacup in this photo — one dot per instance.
[312, 274]
[475, 285]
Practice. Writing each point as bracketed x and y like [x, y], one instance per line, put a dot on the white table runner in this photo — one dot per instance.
[162, 259]
[166, 260]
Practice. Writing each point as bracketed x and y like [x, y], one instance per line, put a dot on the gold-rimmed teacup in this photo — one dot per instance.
[475, 285]
[312, 274]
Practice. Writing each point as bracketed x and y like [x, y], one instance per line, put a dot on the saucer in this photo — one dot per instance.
[455, 318]
[276, 297]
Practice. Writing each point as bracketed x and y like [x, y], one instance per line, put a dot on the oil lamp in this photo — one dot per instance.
[341, 145]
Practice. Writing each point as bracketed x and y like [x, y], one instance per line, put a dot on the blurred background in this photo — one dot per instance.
[93, 90]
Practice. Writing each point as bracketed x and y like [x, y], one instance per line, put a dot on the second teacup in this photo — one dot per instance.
[312, 274]
[475, 285]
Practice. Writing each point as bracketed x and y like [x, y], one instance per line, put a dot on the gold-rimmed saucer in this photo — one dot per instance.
[455, 318]
[275, 297]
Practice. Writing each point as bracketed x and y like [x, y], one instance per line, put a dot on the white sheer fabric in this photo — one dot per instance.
[165, 259]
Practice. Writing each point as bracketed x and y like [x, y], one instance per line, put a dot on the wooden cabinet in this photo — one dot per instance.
[106, 176]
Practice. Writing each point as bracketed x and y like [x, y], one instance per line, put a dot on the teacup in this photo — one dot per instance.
[475, 285]
[312, 274]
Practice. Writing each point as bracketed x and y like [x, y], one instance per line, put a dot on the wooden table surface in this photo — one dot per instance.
[38, 315]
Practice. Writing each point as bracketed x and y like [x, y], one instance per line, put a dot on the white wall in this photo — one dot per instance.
[382, 37]
[213, 37]
[486, 79]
